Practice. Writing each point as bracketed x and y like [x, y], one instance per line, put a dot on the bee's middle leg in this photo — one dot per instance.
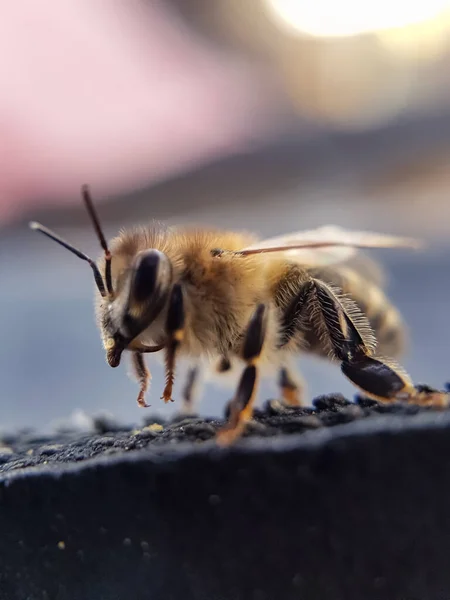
[241, 407]
[190, 393]
[292, 386]
[175, 333]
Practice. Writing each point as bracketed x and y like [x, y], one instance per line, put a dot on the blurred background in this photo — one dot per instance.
[271, 115]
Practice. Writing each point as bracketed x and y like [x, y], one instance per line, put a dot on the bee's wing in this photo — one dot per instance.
[367, 268]
[327, 245]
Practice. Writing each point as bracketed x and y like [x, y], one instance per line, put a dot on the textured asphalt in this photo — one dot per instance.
[113, 439]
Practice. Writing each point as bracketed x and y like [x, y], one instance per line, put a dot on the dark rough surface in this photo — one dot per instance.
[353, 503]
[30, 449]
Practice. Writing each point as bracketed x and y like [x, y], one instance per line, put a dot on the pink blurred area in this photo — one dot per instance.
[116, 94]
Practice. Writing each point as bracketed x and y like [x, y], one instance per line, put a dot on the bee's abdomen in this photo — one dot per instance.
[384, 318]
[386, 322]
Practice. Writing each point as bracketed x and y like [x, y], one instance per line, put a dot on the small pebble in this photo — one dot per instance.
[155, 427]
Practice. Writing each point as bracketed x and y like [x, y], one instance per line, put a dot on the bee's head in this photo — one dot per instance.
[143, 291]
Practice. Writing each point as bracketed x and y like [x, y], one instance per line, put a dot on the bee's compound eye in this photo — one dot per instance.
[152, 275]
[109, 343]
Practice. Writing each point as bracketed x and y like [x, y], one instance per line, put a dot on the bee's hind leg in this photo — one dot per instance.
[240, 408]
[342, 327]
[294, 319]
[386, 382]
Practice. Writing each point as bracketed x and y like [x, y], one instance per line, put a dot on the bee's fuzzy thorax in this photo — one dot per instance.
[220, 292]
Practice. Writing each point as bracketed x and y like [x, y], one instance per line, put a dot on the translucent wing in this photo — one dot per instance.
[327, 245]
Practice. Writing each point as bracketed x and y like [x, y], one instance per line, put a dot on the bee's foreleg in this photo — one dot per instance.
[380, 379]
[143, 377]
[175, 333]
[240, 409]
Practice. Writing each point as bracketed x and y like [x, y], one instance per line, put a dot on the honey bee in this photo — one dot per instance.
[224, 296]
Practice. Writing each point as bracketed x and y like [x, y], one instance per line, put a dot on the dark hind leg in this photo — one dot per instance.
[241, 407]
[349, 338]
[293, 319]
[346, 335]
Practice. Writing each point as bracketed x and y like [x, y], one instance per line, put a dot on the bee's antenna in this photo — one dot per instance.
[96, 222]
[97, 276]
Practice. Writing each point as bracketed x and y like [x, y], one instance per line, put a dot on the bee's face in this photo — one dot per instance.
[143, 293]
